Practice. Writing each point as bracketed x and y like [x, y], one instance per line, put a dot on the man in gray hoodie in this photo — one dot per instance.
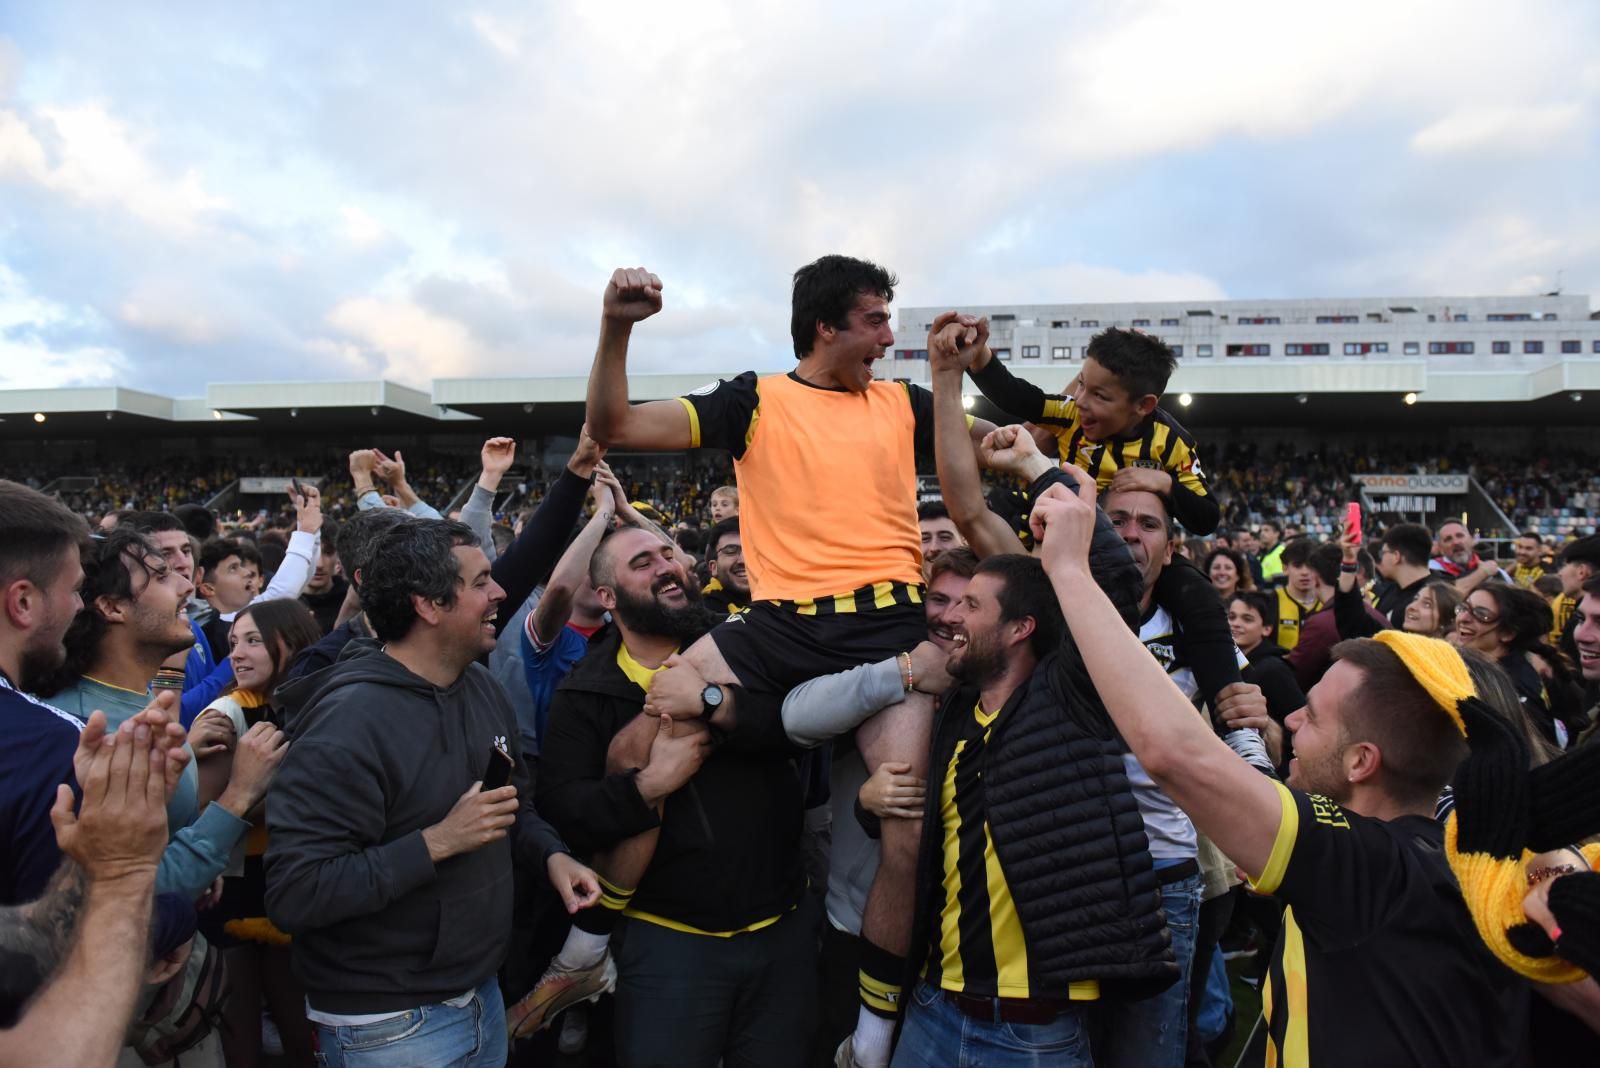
[387, 860]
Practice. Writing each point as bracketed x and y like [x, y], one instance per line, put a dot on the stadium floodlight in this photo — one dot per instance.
[1576, 396]
[1301, 398]
[1185, 399]
[1410, 398]
[216, 413]
[294, 413]
[968, 400]
[38, 417]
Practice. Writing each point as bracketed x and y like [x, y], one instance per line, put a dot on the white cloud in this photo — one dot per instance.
[408, 343]
[361, 228]
[1498, 129]
[29, 359]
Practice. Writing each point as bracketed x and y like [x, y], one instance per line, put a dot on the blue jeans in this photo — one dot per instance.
[1154, 1033]
[433, 1036]
[936, 1033]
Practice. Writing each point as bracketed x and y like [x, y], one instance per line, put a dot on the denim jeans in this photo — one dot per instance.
[936, 1033]
[433, 1036]
[1154, 1032]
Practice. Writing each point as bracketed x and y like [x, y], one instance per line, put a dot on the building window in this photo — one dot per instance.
[1412, 348]
[1060, 324]
[1177, 350]
[1450, 348]
[1248, 350]
[1169, 322]
[1030, 352]
[1004, 354]
[1305, 348]
[1550, 317]
[1141, 322]
[1088, 322]
[1202, 350]
[1460, 318]
[1060, 352]
[1500, 348]
[1596, 349]
[1260, 320]
[911, 354]
[1338, 318]
[1532, 347]
[1508, 317]
[1363, 348]
[1572, 346]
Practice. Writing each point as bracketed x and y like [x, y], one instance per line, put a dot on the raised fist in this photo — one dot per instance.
[632, 295]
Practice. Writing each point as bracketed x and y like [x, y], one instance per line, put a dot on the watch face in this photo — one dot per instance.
[712, 695]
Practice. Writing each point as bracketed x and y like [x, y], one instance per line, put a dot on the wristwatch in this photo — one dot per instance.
[710, 700]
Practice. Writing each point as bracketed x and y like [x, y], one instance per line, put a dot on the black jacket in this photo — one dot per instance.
[1066, 828]
[729, 852]
[1067, 833]
[378, 754]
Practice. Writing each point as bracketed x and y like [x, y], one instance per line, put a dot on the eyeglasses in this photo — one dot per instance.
[728, 552]
[1478, 612]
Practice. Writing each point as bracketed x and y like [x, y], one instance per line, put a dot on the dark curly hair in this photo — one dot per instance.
[110, 566]
[415, 558]
[826, 290]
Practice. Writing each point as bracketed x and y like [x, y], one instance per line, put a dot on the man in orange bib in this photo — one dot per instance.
[825, 459]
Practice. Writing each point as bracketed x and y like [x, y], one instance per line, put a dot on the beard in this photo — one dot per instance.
[980, 663]
[1321, 776]
[38, 663]
[649, 616]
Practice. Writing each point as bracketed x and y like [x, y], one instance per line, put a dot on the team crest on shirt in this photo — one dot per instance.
[705, 390]
[1149, 465]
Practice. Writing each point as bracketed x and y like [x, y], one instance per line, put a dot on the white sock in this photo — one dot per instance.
[582, 950]
[871, 1042]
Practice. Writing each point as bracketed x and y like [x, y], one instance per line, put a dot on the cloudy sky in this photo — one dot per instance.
[212, 192]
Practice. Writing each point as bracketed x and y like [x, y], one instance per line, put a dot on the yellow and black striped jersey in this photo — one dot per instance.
[1291, 614]
[1159, 443]
[980, 948]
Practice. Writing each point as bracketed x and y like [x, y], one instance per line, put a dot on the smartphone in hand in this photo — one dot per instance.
[498, 773]
[1352, 521]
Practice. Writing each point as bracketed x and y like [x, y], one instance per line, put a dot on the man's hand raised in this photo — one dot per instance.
[496, 455]
[1063, 523]
[632, 295]
[956, 341]
[1012, 451]
[588, 453]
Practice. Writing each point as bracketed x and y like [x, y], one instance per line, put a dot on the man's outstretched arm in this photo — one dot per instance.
[1234, 805]
[632, 295]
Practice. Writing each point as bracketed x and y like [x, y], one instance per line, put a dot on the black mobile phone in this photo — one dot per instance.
[498, 773]
[294, 484]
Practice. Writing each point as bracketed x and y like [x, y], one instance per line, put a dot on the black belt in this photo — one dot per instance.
[1010, 1010]
[1181, 870]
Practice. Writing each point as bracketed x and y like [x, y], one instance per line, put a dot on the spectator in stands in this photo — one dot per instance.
[132, 620]
[264, 640]
[1272, 546]
[1432, 612]
[1458, 558]
[228, 579]
[1228, 572]
[1250, 615]
[40, 575]
[1586, 631]
[724, 503]
[1300, 595]
[939, 533]
[729, 589]
[367, 464]
[1509, 625]
[89, 932]
[325, 590]
[382, 788]
[357, 538]
[1359, 865]
[1529, 552]
[1403, 564]
[204, 677]
[556, 633]
[1343, 571]
[1580, 561]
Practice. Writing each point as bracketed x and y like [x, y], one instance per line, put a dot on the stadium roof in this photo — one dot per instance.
[1226, 392]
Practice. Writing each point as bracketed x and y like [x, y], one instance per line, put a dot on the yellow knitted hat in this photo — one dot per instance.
[1437, 667]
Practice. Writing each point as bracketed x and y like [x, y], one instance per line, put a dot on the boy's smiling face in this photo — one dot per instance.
[1105, 407]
